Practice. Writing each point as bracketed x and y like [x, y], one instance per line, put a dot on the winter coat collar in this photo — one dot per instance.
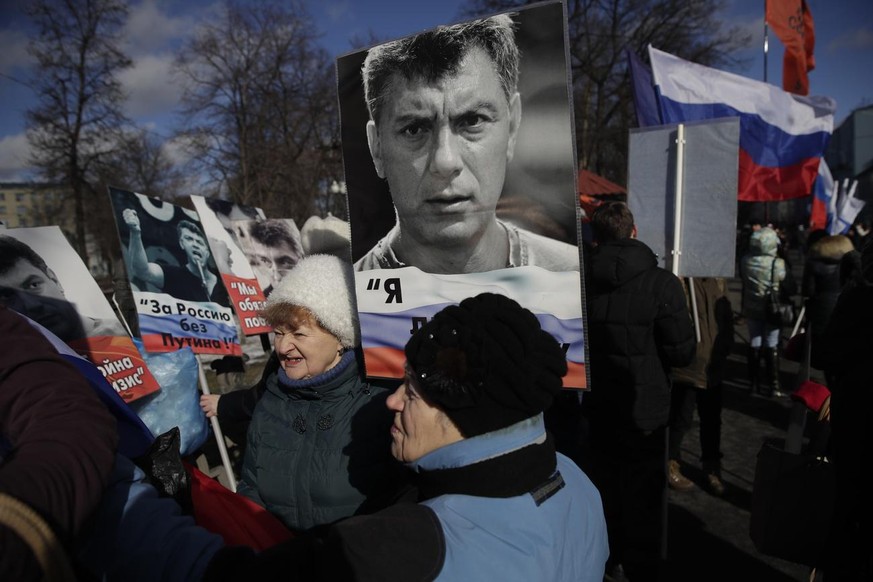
[503, 463]
[321, 386]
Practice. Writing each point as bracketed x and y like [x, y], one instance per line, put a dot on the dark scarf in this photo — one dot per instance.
[516, 473]
[314, 388]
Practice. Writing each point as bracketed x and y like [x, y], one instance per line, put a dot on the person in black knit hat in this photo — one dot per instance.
[468, 422]
[486, 363]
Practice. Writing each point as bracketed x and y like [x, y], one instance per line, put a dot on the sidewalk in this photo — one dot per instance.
[708, 537]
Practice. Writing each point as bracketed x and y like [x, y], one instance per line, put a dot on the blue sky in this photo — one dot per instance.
[844, 53]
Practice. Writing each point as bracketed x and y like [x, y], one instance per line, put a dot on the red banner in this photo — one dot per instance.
[248, 301]
[120, 363]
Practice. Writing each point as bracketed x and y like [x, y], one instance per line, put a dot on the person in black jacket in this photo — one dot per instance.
[822, 283]
[639, 327]
[844, 354]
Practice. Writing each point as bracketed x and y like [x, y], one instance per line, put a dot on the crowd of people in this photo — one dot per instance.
[476, 465]
[460, 457]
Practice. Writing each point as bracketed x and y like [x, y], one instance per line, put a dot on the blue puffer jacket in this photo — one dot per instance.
[559, 538]
[318, 448]
[498, 506]
[760, 270]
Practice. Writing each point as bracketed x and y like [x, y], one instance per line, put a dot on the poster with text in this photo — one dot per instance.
[461, 178]
[221, 223]
[42, 277]
[180, 298]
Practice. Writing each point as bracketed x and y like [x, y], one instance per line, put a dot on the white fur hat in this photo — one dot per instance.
[323, 284]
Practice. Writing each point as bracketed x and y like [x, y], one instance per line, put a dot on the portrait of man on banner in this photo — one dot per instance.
[42, 277]
[180, 297]
[460, 171]
[272, 247]
[219, 219]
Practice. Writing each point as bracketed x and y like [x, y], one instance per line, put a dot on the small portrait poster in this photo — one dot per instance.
[42, 277]
[218, 218]
[180, 298]
[272, 247]
[461, 178]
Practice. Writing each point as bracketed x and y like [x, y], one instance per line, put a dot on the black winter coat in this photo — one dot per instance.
[844, 353]
[638, 327]
[821, 287]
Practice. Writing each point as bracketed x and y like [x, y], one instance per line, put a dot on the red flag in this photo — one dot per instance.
[239, 520]
[808, 37]
[791, 20]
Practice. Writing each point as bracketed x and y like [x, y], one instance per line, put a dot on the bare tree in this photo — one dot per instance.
[260, 106]
[72, 128]
[599, 32]
[142, 164]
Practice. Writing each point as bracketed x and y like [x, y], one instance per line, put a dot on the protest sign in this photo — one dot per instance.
[221, 222]
[180, 299]
[464, 180]
[42, 277]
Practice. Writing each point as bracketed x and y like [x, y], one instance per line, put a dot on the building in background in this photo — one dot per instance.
[850, 153]
[26, 204]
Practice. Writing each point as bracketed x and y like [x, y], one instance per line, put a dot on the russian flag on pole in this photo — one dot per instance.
[848, 208]
[782, 136]
[643, 90]
[824, 199]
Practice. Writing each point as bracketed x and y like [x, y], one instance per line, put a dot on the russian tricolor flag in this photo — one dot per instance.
[782, 136]
[824, 199]
[389, 318]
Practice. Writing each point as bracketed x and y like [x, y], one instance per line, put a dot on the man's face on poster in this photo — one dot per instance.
[27, 289]
[444, 148]
[271, 263]
[194, 246]
[26, 276]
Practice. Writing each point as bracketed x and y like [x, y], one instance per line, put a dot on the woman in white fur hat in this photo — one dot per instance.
[318, 438]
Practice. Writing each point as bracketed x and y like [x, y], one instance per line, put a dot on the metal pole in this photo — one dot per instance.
[216, 430]
[677, 208]
[677, 221]
[766, 41]
[694, 311]
[798, 322]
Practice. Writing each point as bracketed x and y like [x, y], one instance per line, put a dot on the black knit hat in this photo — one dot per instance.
[487, 363]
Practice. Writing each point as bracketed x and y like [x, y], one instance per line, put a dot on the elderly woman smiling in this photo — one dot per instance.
[301, 462]
[492, 498]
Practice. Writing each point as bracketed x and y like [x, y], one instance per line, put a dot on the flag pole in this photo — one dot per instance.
[766, 41]
[678, 192]
[677, 220]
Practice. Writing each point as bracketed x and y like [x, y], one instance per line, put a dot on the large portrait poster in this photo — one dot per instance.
[180, 298]
[461, 178]
[221, 222]
[42, 277]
